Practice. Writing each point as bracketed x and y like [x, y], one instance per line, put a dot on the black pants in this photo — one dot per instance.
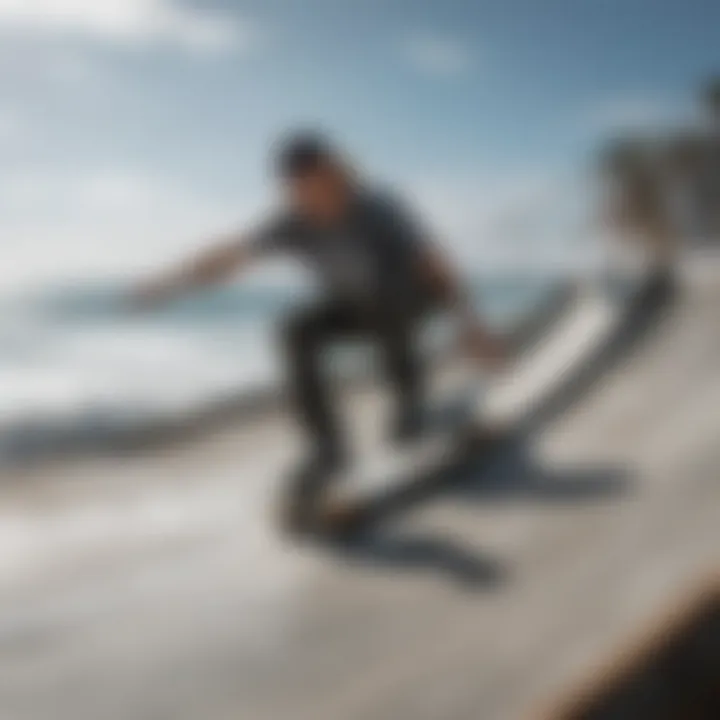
[310, 332]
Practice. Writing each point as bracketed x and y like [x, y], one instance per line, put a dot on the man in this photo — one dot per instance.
[380, 277]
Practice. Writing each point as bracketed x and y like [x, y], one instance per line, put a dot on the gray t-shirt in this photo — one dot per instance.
[373, 256]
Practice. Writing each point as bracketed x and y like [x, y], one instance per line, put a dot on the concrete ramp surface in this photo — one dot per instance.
[154, 586]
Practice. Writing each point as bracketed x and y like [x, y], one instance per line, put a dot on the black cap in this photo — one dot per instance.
[302, 153]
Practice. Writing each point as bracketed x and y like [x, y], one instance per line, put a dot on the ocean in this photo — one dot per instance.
[77, 368]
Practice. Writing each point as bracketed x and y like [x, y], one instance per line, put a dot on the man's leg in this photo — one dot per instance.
[307, 337]
[398, 334]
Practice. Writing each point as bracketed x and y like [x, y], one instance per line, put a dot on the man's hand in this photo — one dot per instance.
[476, 342]
[487, 348]
[209, 268]
[152, 294]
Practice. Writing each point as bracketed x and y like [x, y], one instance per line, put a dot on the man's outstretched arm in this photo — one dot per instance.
[210, 267]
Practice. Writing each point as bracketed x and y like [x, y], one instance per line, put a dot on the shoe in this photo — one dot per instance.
[409, 426]
[484, 439]
[340, 519]
[300, 506]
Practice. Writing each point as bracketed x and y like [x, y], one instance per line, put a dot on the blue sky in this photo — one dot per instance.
[131, 128]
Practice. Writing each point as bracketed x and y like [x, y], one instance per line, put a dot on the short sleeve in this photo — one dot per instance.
[401, 224]
[274, 235]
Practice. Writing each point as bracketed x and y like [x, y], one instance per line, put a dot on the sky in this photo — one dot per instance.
[132, 130]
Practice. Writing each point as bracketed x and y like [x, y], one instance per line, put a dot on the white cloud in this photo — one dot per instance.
[438, 55]
[59, 224]
[130, 22]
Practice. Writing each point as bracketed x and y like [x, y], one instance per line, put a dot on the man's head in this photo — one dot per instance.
[314, 175]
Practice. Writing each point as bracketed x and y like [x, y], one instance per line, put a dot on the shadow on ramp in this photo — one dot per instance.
[395, 550]
[515, 477]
